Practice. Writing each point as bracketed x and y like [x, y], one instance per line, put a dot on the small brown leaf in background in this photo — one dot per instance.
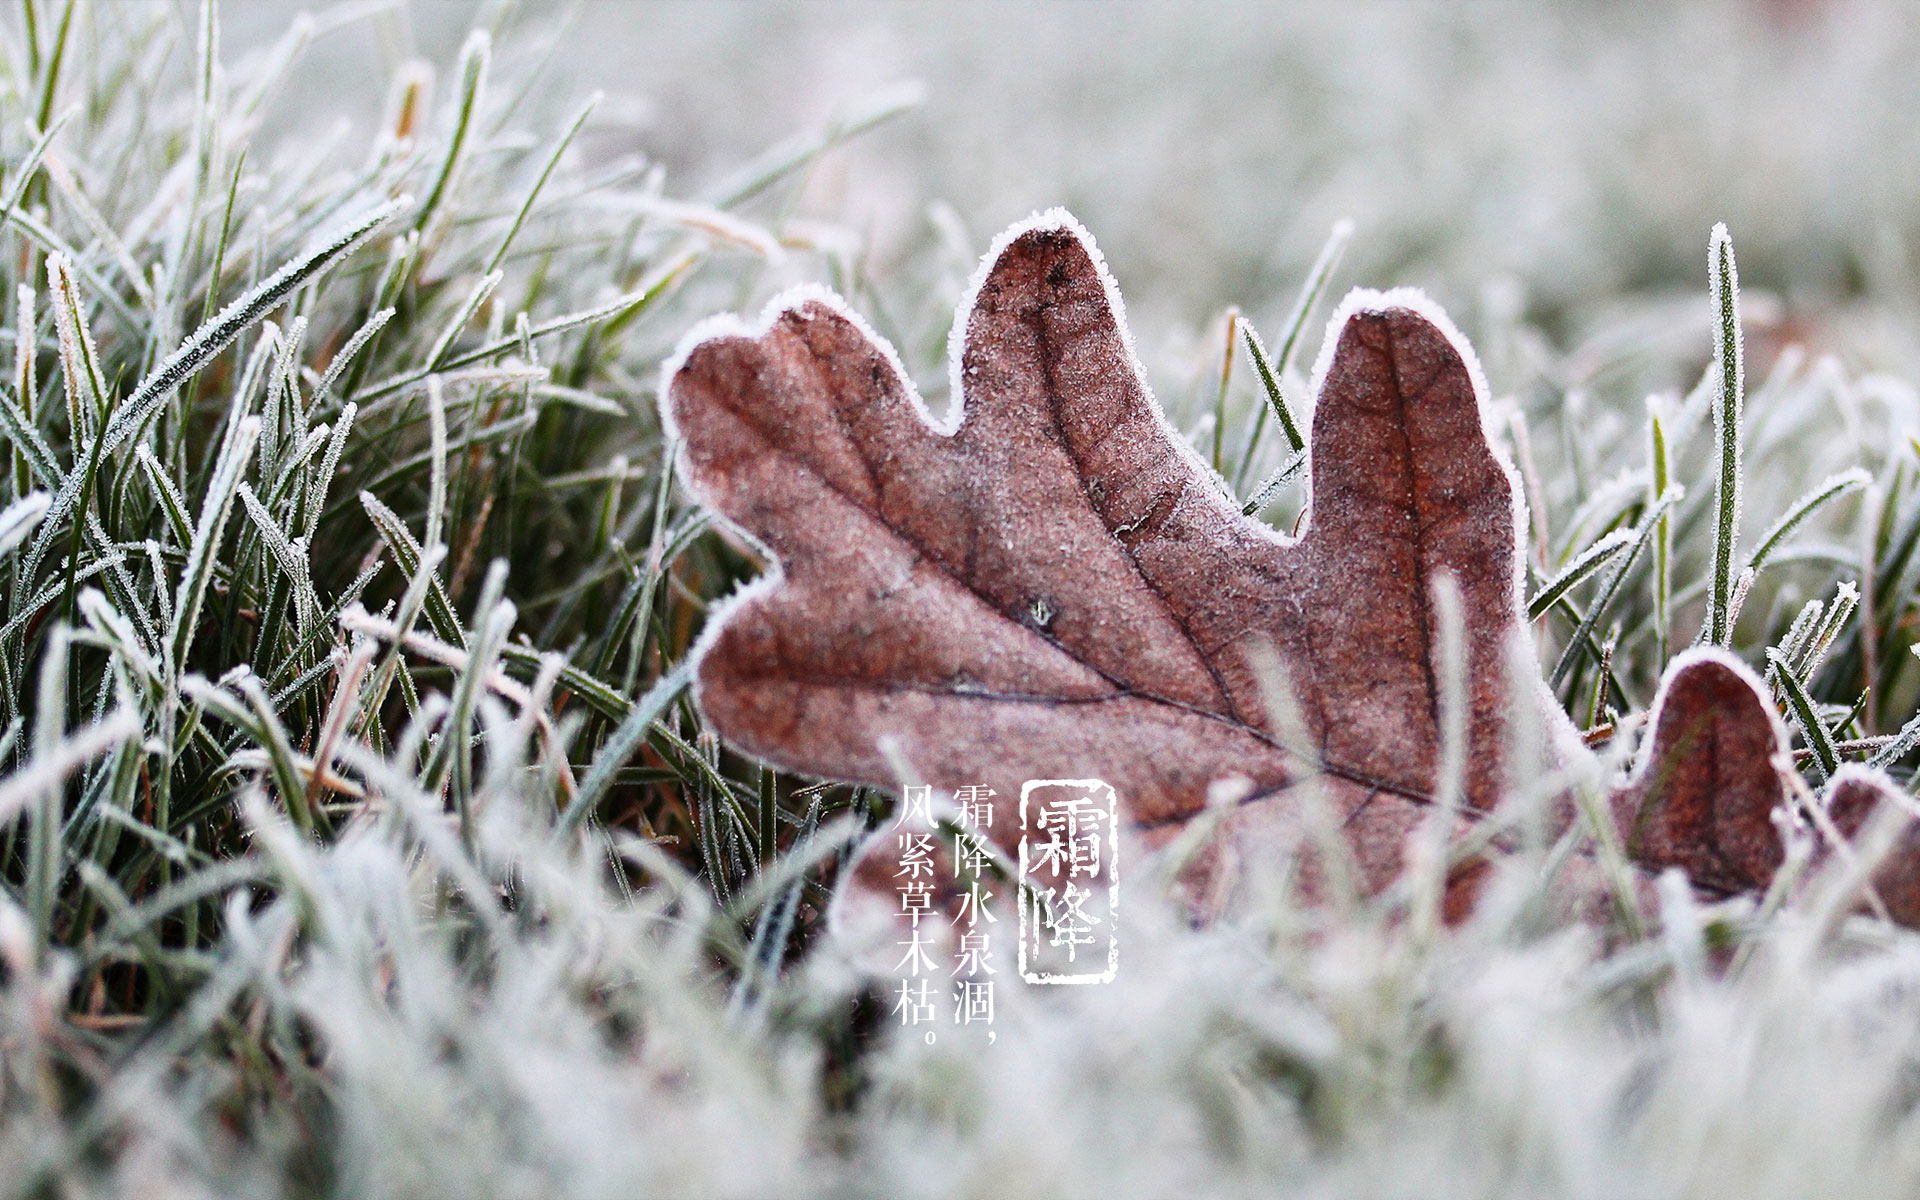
[1854, 795]
[1060, 587]
[1703, 794]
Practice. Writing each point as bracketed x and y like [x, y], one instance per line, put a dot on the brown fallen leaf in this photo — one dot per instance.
[1708, 797]
[1054, 585]
[1703, 793]
[1853, 797]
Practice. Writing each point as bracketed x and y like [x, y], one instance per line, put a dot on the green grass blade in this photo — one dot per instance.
[1827, 492]
[1272, 370]
[1805, 716]
[1729, 359]
[1660, 472]
[474, 57]
[1610, 589]
[203, 550]
[540, 181]
[1584, 564]
[624, 742]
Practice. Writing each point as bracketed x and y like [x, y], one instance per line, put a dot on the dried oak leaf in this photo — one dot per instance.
[1053, 585]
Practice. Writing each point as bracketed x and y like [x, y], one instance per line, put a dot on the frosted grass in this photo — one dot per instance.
[358, 835]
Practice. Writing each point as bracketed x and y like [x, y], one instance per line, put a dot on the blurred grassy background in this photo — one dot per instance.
[1580, 150]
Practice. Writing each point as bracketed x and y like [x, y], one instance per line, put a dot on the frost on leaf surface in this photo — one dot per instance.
[1059, 588]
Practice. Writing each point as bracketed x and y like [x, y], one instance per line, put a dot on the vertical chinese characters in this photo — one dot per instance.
[973, 962]
[914, 997]
[944, 920]
[1069, 881]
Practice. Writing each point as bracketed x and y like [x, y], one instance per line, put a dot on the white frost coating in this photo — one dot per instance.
[19, 518]
[1643, 756]
[1587, 560]
[1608, 499]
